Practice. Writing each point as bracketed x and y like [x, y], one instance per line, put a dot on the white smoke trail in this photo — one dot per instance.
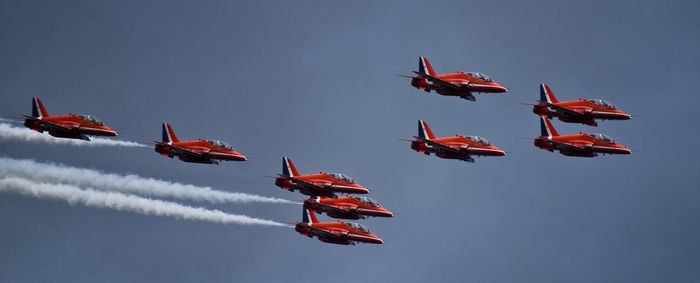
[89, 178]
[10, 133]
[91, 198]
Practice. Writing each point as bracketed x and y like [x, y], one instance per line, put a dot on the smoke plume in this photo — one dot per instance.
[10, 133]
[118, 201]
[132, 184]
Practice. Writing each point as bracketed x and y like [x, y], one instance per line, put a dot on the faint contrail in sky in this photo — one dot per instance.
[361, 63]
[130, 203]
[10, 133]
[130, 183]
[343, 60]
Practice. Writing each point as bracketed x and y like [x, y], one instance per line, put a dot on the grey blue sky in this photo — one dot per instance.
[316, 81]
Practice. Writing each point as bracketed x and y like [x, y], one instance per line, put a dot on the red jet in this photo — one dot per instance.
[342, 233]
[583, 111]
[322, 184]
[457, 84]
[584, 145]
[69, 126]
[199, 151]
[347, 207]
[457, 147]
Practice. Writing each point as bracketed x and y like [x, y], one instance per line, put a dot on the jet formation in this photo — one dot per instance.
[323, 189]
[463, 85]
[583, 111]
[342, 233]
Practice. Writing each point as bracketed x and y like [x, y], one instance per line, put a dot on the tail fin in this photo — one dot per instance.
[309, 216]
[38, 109]
[546, 94]
[424, 66]
[424, 131]
[546, 128]
[168, 134]
[288, 167]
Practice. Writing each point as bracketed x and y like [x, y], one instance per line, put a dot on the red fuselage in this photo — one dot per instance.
[464, 148]
[336, 233]
[200, 151]
[466, 83]
[588, 112]
[68, 126]
[581, 145]
[319, 185]
[346, 208]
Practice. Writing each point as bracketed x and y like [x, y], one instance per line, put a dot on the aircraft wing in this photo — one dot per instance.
[439, 145]
[568, 146]
[306, 184]
[321, 232]
[443, 147]
[342, 209]
[566, 111]
[439, 82]
[183, 151]
[54, 126]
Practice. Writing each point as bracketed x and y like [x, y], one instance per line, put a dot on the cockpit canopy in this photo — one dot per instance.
[479, 140]
[358, 226]
[603, 103]
[368, 201]
[91, 119]
[483, 77]
[220, 144]
[603, 137]
[342, 177]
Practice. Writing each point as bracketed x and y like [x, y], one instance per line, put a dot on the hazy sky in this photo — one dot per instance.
[316, 81]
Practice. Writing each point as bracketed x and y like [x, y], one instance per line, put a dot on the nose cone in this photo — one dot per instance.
[501, 88]
[624, 150]
[386, 213]
[110, 132]
[374, 239]
[497, 151]
[362, 190]
[355, 189]
[239, 156]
